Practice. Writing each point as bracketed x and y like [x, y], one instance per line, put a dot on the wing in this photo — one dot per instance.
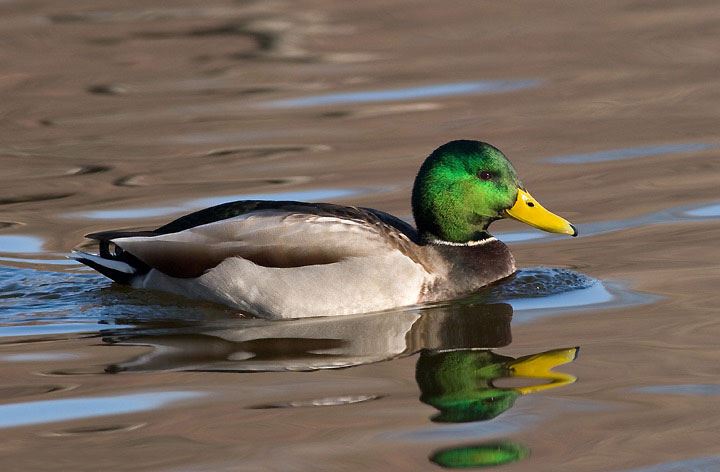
[270, 234]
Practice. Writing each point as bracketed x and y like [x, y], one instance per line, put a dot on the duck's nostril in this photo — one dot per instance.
[530, 204]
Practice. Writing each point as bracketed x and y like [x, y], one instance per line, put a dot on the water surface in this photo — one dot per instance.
[631, 153]
[52, 411]
[408, 93]
[199, 203]
[127, 116]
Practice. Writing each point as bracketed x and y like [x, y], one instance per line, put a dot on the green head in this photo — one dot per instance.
[488, 454]
[463, 186]
[458, 383]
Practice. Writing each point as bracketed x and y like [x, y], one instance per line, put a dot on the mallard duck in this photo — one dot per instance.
[283, 259]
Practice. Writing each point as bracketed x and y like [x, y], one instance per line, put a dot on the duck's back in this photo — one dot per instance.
[274, 259]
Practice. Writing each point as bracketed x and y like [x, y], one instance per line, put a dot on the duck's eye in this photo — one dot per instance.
[485, 175]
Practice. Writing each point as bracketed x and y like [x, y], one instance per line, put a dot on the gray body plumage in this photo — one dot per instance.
[283, 260]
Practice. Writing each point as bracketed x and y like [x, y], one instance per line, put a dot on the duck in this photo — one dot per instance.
[287, 259]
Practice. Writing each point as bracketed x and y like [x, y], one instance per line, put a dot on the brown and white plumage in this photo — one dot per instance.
[290, 259]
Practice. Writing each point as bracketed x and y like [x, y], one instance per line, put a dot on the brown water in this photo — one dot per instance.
[125, 114]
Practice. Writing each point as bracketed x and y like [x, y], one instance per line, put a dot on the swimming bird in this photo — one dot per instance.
[284, 259]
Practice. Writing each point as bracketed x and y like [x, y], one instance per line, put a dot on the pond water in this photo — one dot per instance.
[600, 354]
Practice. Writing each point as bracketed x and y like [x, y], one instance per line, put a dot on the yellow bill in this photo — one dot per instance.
[529, 211]
[539, 366]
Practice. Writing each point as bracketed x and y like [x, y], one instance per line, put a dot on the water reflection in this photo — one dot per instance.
[316, 343]
[49, 329]
[64, 409]
[408, 93]
[20, 243]
[682, 389]
[43, 303]
[325, 401]
[194, 204]
[39, 356]
[37, 303]
[709, 211]
[20, 246]
[696, 464]
[461, 384]
[630, 153]
[480, 455]
[457, 371]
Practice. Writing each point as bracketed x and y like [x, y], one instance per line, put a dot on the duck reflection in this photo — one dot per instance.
[315, 343]
[457, 371]
[460, 383]
[480, 455]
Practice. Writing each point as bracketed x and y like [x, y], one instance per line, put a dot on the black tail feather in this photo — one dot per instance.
[112, 261]
[114, 274]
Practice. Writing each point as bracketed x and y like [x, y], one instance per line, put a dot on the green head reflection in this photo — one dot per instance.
[459, 383]
[480, 455]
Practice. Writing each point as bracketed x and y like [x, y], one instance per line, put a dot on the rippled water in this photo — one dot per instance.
[51, 411]
[600, 354]
[408, 93]
[630, 153]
